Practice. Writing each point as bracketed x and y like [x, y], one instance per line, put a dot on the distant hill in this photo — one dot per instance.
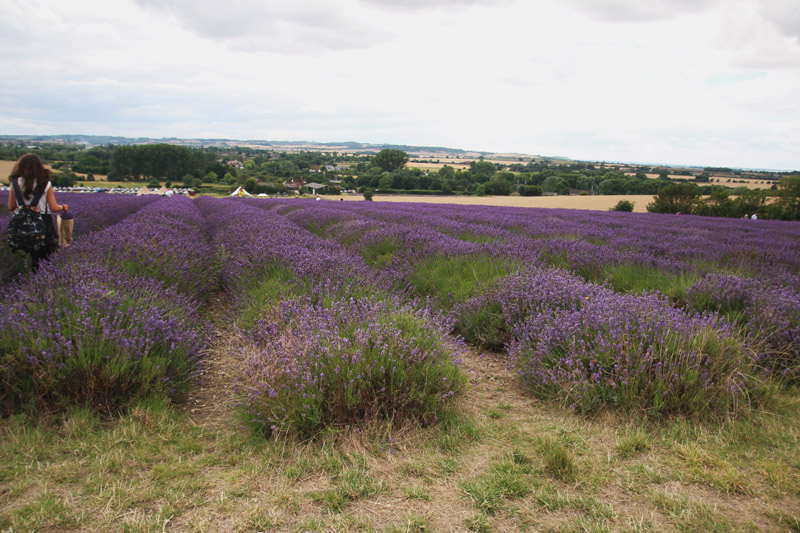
[270, 145]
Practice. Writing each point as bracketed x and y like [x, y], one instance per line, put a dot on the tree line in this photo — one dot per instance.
[387, 171]
[687, 198]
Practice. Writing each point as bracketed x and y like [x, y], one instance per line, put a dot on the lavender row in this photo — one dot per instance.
[583, 341]
[92, 212]
[113, 317]
[594, 348]
[320, 343]
[253, 244]
[590, 240]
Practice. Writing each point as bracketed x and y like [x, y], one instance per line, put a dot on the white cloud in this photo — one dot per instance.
[666, 81]
[273, 25]
[784, 14]
[639, 11]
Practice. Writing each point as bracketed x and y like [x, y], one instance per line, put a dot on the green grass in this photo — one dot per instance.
[637, 279]
[452, 279]
[633, 442]
[349, 486]
[507, 480]
[557, 460]
[380, 254]
[531, 466]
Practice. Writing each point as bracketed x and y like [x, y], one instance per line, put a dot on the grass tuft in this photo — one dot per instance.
[557, 460]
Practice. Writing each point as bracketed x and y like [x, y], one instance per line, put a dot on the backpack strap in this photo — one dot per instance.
[37, 194]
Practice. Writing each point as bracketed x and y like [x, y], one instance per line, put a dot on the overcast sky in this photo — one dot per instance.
[704, 82]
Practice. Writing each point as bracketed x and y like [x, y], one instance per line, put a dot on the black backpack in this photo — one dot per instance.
[26, 230]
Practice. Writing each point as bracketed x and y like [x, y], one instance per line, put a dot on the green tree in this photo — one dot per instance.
[675, 198]
[65, 179]
[447, 172]
[556, 184]
[789, 201]
[390, 159]
[498, 186]
[368, 193]
[386, 181]
[623, 205]
[250, 185]
[530, 190]
[718, 204]
[483, 170]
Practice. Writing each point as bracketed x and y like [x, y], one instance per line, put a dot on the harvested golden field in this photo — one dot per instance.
[7, 166]
[742, 182]
[726, 181]
[430, 165]
[594, 203]
[5, 170]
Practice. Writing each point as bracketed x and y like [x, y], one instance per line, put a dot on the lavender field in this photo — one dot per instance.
[338, 319]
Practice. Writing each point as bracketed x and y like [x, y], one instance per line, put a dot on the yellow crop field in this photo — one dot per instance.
[595, 203]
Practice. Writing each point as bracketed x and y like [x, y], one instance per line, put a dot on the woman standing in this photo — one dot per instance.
[31, 178]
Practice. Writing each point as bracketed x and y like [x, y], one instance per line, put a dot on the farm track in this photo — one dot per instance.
[210, 401]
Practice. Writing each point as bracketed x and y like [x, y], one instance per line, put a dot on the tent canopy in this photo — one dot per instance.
[240, 192]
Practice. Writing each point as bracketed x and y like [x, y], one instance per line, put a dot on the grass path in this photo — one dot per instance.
[210, 401]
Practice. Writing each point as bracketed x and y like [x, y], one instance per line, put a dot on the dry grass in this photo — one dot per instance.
[487, 469]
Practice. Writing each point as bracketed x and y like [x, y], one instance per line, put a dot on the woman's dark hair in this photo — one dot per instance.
[31, 168]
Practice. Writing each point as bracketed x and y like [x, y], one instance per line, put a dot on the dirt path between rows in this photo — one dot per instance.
[211, 400]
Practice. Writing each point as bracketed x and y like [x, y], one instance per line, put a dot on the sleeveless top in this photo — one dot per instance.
[27, 199]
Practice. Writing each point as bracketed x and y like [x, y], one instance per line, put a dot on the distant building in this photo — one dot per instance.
[314, 186]
[293, 185]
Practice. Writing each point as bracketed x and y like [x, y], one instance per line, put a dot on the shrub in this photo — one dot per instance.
[530, 190]
[636, 353]
[769, 314]
[345, 362]
[623, 205]
[675, 198]
[65, 179]
[368, 194]
[91, 337]
[487, 319]
[111, 318]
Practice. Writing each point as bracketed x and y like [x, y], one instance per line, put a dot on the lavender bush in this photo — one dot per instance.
[324, 344]
[89, 336]
[93, 212]
[637, 353]
[487, 320]
[769, 314]
[316, 366]
[112, 317]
